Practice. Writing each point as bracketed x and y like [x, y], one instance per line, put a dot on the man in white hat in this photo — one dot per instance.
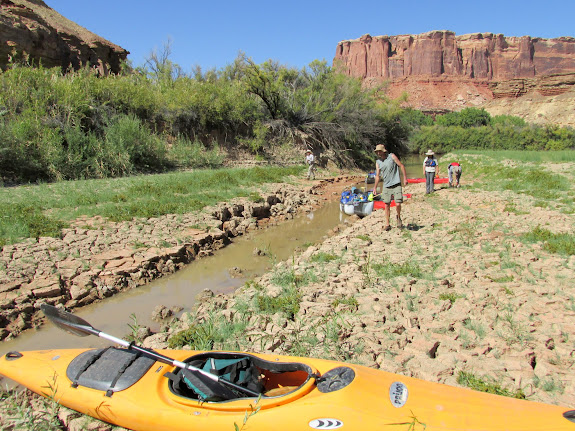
[387, 168]
[310, 160]
[430, 168]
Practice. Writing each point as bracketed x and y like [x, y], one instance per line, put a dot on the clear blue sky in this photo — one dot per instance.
[210, 33]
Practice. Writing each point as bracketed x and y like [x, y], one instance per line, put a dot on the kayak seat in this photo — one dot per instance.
[264, 377]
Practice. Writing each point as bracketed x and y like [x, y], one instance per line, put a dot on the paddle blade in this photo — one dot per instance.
[68, 322]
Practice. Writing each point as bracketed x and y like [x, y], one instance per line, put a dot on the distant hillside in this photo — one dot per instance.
[31, 31]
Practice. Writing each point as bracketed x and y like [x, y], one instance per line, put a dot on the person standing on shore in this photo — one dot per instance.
[430, 168]
[454, 169]
[387, 169]
[310, 160]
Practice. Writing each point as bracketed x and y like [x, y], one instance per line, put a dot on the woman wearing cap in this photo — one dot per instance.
[310, 160]
[430, 168]
[387, 167]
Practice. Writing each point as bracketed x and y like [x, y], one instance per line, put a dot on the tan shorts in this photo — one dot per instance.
[395, 192]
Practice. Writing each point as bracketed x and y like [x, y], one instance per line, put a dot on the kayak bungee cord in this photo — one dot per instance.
[78, 326]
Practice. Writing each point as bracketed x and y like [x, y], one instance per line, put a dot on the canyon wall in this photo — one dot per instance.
[33, 33]
[530, 77]
[481, 56]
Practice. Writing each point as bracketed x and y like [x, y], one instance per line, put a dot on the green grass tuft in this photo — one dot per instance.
[478, 384]
[561, 243]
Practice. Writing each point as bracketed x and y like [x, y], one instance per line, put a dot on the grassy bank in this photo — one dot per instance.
[43, 210]
[545, 175]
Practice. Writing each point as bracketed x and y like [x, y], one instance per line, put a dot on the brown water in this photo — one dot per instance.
[114, 314]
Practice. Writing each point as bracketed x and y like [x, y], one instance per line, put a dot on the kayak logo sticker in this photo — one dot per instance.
[398, 394]
[326, 424]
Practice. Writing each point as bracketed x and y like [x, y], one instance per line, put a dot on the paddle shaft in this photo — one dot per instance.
[161, 358]
[80, 327]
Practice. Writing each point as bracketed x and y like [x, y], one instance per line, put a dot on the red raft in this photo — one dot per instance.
[377, 205]
[422, 180]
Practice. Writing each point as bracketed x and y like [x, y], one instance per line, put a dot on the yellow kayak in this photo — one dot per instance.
[131, 389]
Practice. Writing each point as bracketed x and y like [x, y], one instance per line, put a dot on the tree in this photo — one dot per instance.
[159, 66]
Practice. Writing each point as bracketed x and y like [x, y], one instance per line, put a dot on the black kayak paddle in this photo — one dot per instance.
[78, 326]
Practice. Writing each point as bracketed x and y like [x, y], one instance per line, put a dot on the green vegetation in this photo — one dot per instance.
[24, 410]
[56, 126]
[562, 243]
[524, 173]
[254, 409]
[77, 125]
[549, 385]
[503, 279]
[25, 221]
[350, 302]
[514, 332]
[288, 300]
[486, 385]
[213, 333]
[322, 257]
[286, 303]
[389, 270]
[43, 210]
[451, 297]
[475, 129]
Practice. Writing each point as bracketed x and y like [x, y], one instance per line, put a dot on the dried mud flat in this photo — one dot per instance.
[477, 298]
[457, 290]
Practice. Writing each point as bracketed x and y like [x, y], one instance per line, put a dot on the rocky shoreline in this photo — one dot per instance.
[95, 259]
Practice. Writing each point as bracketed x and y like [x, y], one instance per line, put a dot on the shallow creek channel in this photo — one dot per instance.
[114, 315]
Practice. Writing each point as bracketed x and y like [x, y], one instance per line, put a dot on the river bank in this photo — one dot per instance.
[95, 258]
[459, 292]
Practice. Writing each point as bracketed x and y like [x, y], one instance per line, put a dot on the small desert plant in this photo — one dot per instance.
[287, 302]
[475, 326]
[502, 279]
[23, 410]
[486, 385]
[134, 329]
[213, 332]
[349, 301]
[255, 197]
[254, 409]
[549, 385]
[322, 257]
[451, 297]
[389, 270]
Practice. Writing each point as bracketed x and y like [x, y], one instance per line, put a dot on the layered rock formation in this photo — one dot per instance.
[484, 56]
[441, 71]
[32, 32]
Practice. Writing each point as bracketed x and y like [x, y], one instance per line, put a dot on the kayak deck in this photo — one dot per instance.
[346, 396]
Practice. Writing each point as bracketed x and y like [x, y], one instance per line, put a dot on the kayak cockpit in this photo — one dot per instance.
[264, 377]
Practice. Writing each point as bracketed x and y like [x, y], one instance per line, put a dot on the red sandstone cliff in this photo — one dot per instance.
[29, 29]
[441, 71]
[483, 56]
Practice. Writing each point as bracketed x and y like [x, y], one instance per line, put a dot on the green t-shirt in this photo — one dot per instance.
[388, 171]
